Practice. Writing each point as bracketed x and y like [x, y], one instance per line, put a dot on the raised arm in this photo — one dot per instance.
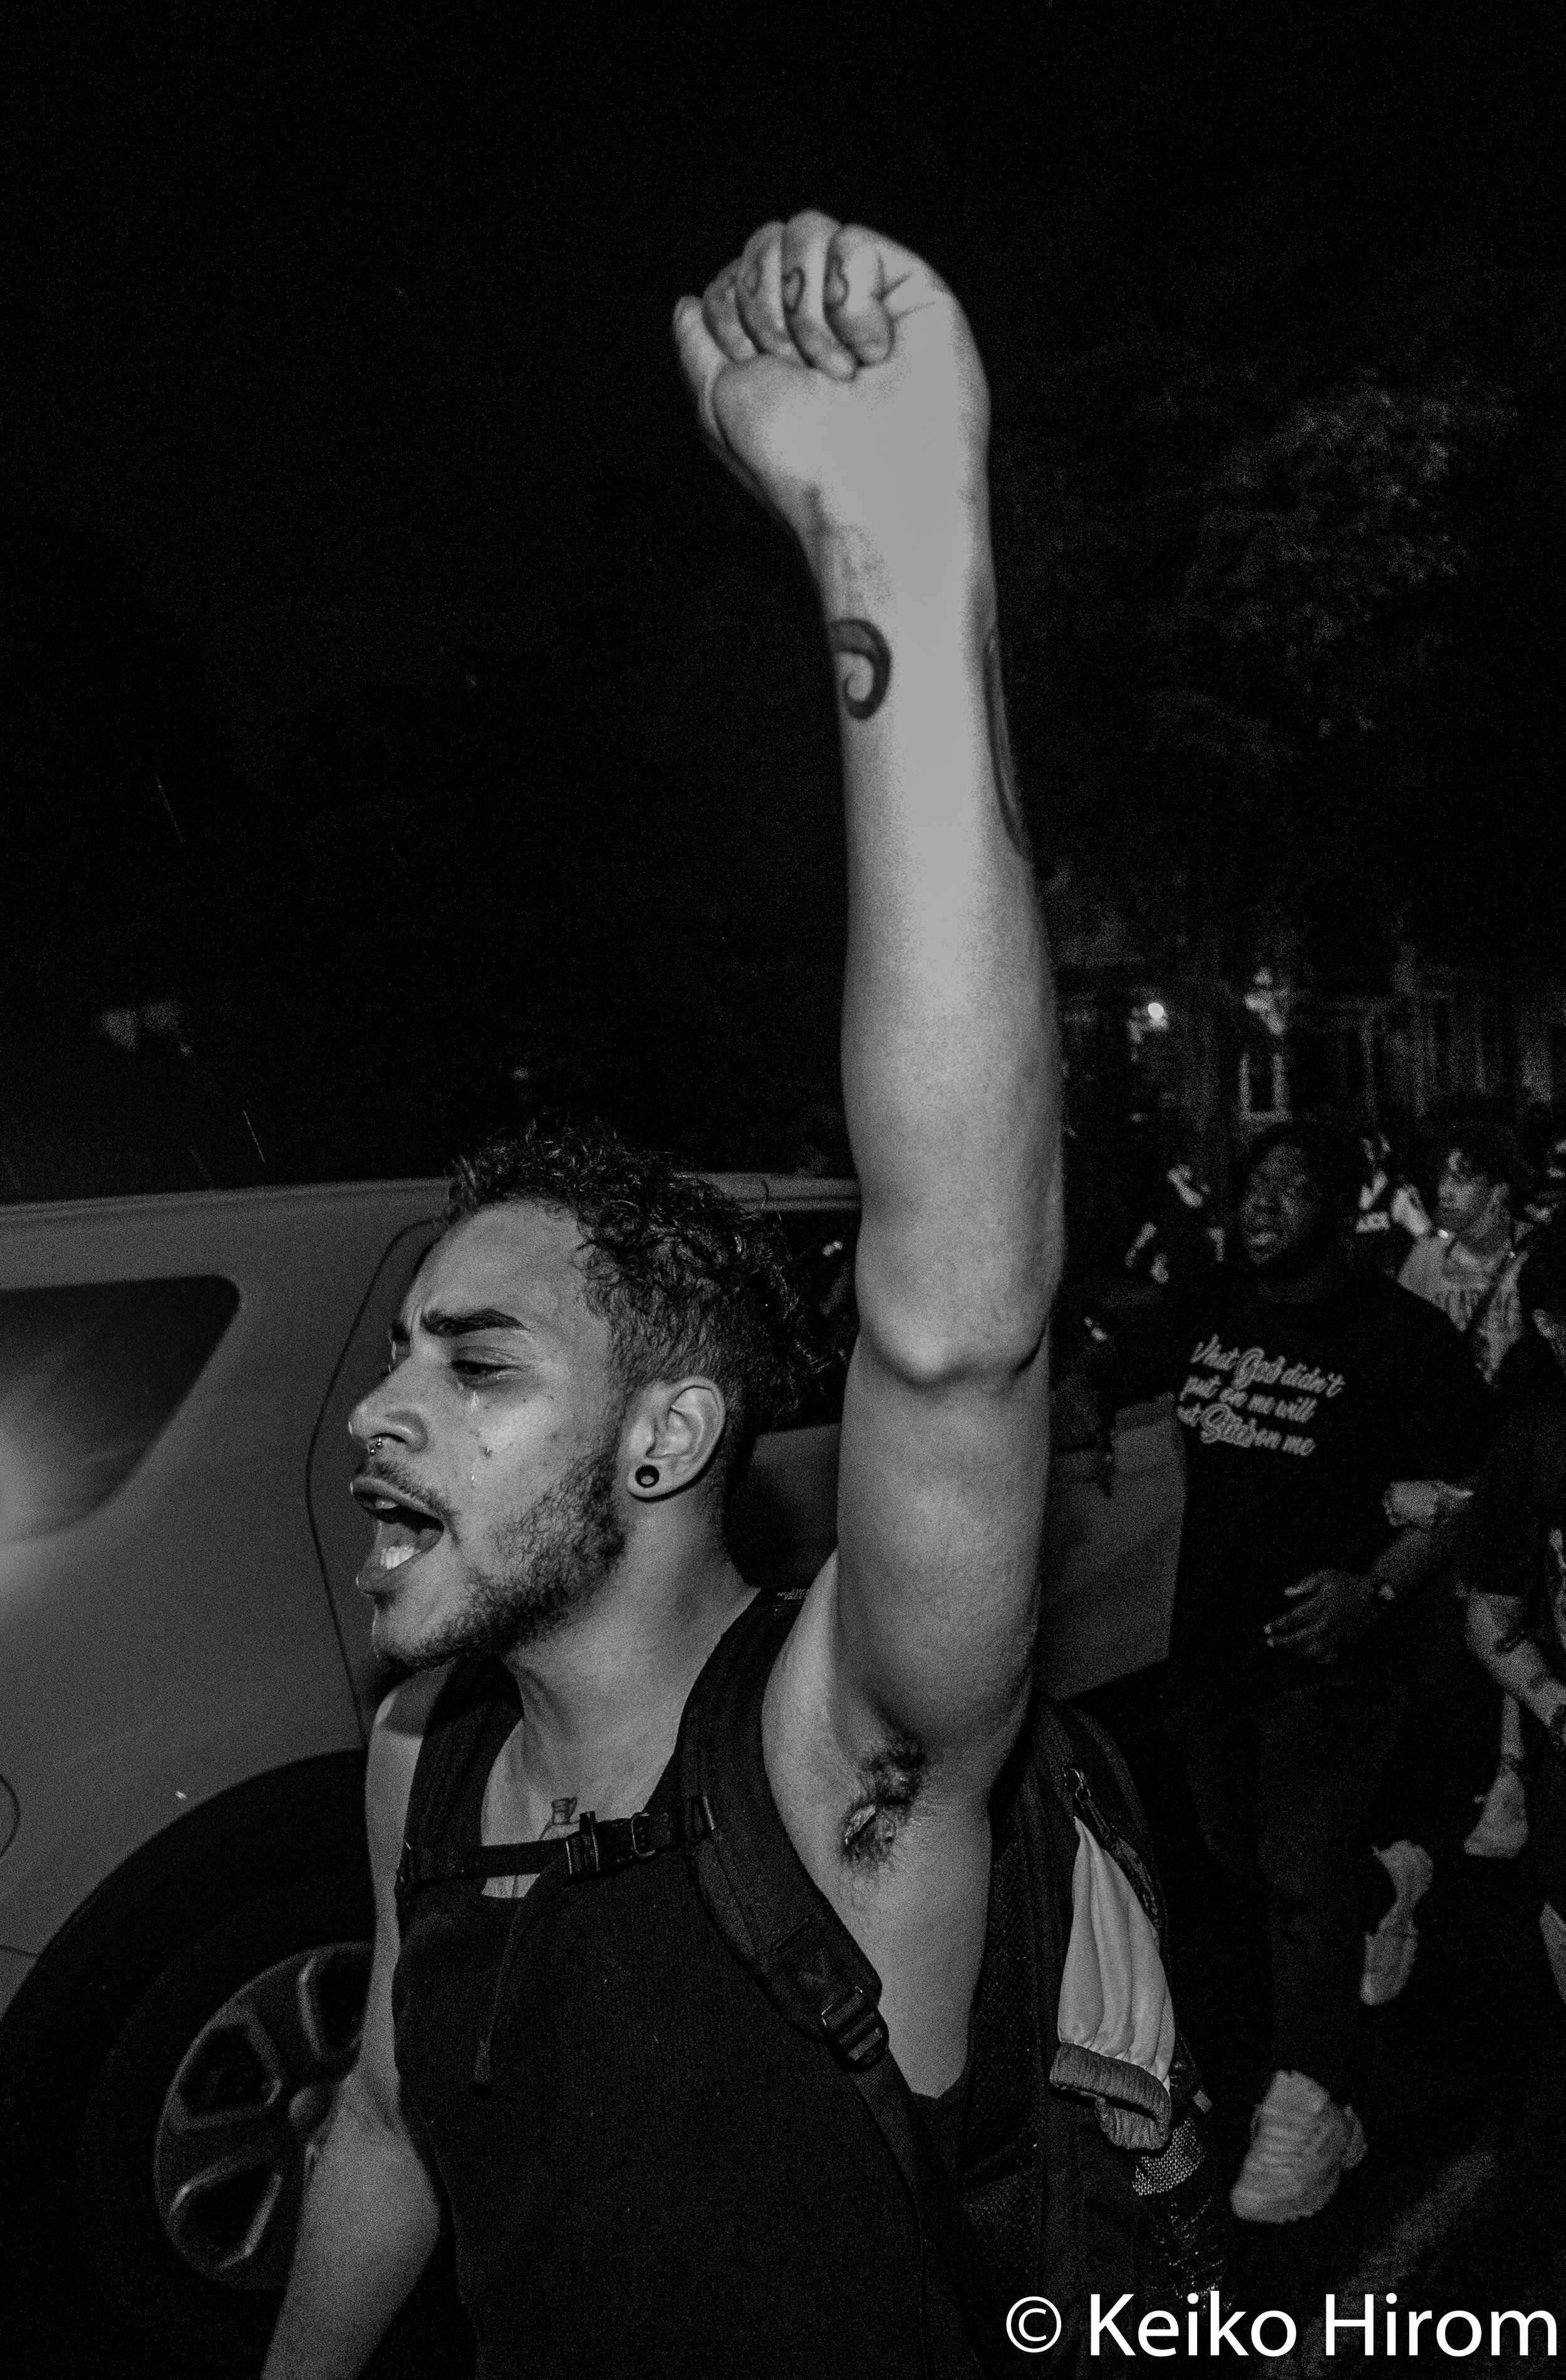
[836, 375]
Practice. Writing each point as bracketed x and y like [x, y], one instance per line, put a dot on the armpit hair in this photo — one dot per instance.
[889, 1786]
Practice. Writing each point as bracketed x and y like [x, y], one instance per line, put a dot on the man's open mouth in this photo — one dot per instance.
[403, 1529]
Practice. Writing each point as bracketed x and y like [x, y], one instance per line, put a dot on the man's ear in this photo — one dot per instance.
[674, 1431]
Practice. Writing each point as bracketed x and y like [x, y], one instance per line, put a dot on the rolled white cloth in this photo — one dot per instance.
[1115, 2017]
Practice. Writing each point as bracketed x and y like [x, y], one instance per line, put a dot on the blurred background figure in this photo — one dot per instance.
[1543, 1133]
[1181, 1236]
[1513, 1565]
[1304, 1385]
[1471, 1267]
[1392, 1217]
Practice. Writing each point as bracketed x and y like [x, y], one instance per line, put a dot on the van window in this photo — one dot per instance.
[89, 1376]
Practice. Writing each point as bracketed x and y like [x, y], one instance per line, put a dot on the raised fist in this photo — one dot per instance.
[836, 376]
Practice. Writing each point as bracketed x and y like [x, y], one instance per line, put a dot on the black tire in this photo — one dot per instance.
[179, 2312]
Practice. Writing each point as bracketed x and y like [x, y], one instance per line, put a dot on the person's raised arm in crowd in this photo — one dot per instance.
[835, 374]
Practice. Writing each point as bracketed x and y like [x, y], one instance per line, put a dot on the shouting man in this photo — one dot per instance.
[644, 2171]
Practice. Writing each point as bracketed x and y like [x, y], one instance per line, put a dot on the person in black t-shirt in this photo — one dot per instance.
[1303, 1389]
[1512, 1561]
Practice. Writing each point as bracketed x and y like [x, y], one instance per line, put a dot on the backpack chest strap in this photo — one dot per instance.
[597, 1848]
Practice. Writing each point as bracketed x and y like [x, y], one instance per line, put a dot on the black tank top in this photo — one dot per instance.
[662, 2176]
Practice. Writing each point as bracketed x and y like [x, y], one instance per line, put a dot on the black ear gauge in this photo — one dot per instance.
[646, 1474]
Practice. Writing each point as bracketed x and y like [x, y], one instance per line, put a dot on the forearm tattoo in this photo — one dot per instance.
[862, 696]
[889, 1786]
[1012, 818]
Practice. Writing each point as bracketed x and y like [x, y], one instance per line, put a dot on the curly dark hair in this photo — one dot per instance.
[687, 1278]
[1491, 1149]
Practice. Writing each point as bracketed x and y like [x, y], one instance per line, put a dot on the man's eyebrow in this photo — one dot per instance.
[441, 1325]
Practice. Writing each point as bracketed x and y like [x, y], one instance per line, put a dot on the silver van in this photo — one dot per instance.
[187, 1689]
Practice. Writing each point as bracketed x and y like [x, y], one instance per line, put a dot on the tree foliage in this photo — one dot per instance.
[1236, 571]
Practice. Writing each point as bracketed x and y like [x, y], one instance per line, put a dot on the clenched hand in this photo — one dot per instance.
[835, 375]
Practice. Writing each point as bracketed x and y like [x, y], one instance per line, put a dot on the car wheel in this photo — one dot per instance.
[196, 2142]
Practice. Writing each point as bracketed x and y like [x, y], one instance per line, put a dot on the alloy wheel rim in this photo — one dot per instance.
[243, 2119]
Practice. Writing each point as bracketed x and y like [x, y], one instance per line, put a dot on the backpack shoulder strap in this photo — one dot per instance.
[762, 1900]
[754, 1884]
[453, 1733]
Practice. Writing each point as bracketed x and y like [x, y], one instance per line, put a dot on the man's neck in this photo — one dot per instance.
[602, 1699]
[1488, 1240]
[1303, 1282]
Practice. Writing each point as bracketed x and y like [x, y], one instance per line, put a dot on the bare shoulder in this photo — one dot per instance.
[393, 1756]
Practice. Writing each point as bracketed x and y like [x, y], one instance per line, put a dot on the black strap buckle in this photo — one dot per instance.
[581, 1848]
[598, 1849]
[856, 2028]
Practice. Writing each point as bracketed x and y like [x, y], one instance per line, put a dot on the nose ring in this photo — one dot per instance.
[375, 1442]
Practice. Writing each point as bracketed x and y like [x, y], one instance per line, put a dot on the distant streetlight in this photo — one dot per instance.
[1147, 1016]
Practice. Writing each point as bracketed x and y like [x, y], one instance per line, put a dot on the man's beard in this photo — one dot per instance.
[553, 1560]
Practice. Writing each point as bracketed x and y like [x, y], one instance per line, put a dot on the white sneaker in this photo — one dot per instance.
[1301, 2144]
[1503, 1822]
[1388, 1952]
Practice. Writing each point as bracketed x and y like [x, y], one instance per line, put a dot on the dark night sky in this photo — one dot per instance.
[329, 315]
[330, 322]
[349, 329]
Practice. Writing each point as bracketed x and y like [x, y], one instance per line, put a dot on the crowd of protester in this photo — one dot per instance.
[1368, 1370]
